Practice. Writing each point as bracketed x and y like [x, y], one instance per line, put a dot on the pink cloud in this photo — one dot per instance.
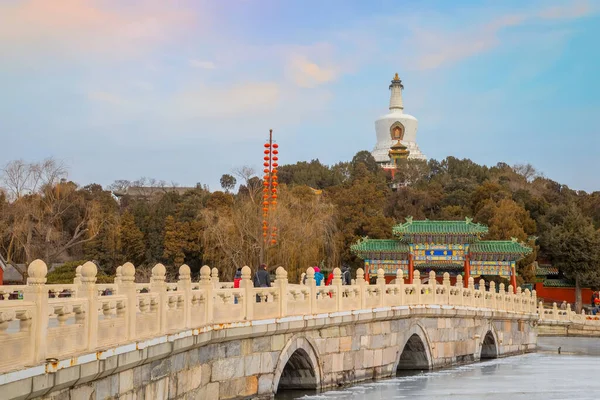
[80, 26]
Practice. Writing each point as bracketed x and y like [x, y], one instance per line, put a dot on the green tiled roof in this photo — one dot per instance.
[558, 283]
[545, 270]
[466, 227]
[370, 246]
[500, 246]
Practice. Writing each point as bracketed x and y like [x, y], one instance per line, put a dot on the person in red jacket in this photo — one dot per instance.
[237, 278]
[329, 279]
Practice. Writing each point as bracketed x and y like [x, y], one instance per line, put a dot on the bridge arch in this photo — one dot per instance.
[415, 351]
[488, 345]
[298, 366]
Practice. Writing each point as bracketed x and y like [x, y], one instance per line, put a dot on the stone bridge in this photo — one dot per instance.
[206, 339]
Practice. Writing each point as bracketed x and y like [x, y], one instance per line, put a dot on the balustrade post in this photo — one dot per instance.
[214, 277]
[518, 299]
[207, 285]
[400, 283]
[541, 310]
[533, 299]
[281, 281]
[502, 293]
[360, 281]
[471, 288]
[447, 286]
[87, 289]
[432, 283]
[312, 293]
[526, 301]
[381, 286]
[118, 275]
[555, 312]
[337, 283]
[459, 285]
[482, 300]
[37, 292]
[417, 284]
[77, 279]
[492, 291]
[158, 285]
[126, 287]
[185, 285]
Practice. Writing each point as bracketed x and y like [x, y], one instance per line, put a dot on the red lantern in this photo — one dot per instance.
[275, 165]
[265, 190]
[274, 171]
[274, 177]
[266, 170]
[267, 151]
[275, 158]
[273, 241]
[275, 145]
[275, 151]
[266, 177]
[274, 203]
[265, 209]
[274, 228]
[265, 203]
[266, 159]
[267, 145]
[265, 234]
[266, 183]
[275, 183]
[266, 164]
[265, 215]
[274, 190]
[273, 196]
[265, 228]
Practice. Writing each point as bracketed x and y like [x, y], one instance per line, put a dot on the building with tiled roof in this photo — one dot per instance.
[441, 246]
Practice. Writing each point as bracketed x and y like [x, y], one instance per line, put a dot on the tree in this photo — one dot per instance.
[174, 242]
[574, 247]
[228, 182]
[132, 240]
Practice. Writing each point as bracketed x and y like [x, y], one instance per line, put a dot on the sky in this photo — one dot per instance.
[185, 91]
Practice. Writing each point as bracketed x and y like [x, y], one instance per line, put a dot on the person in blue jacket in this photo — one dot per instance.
[318, 276]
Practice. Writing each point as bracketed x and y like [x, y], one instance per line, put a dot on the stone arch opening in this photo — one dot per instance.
[489, 349]
[298, 366]
[414, 355]
[298, 373]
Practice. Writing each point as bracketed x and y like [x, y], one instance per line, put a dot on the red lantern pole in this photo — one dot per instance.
[269, 193]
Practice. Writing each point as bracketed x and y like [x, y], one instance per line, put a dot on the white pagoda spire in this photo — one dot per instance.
[396, 95]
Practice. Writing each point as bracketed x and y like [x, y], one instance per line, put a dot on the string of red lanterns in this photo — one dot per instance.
[270, 184]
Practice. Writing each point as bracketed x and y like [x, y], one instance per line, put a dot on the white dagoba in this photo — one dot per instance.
[394, 126]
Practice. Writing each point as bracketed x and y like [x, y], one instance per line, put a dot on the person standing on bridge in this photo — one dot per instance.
[261, 279]
[318, 276]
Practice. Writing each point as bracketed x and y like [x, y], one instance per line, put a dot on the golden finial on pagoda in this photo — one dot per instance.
[396, 78]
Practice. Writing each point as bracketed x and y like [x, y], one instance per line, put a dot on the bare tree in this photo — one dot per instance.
[527, 171]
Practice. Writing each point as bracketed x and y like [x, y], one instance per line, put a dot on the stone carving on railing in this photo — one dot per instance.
[55, 321]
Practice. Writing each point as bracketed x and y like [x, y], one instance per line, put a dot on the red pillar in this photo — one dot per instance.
[367, 272]
[411, 268]
[467, 272]
[513, 278]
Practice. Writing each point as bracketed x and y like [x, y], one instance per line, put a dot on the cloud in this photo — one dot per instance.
[442, 47]
[202, 64]
[308, 74]
[575, 9]
[81, 27]
[436, 48]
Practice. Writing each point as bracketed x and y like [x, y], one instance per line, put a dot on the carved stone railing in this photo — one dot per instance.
[40, 322]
